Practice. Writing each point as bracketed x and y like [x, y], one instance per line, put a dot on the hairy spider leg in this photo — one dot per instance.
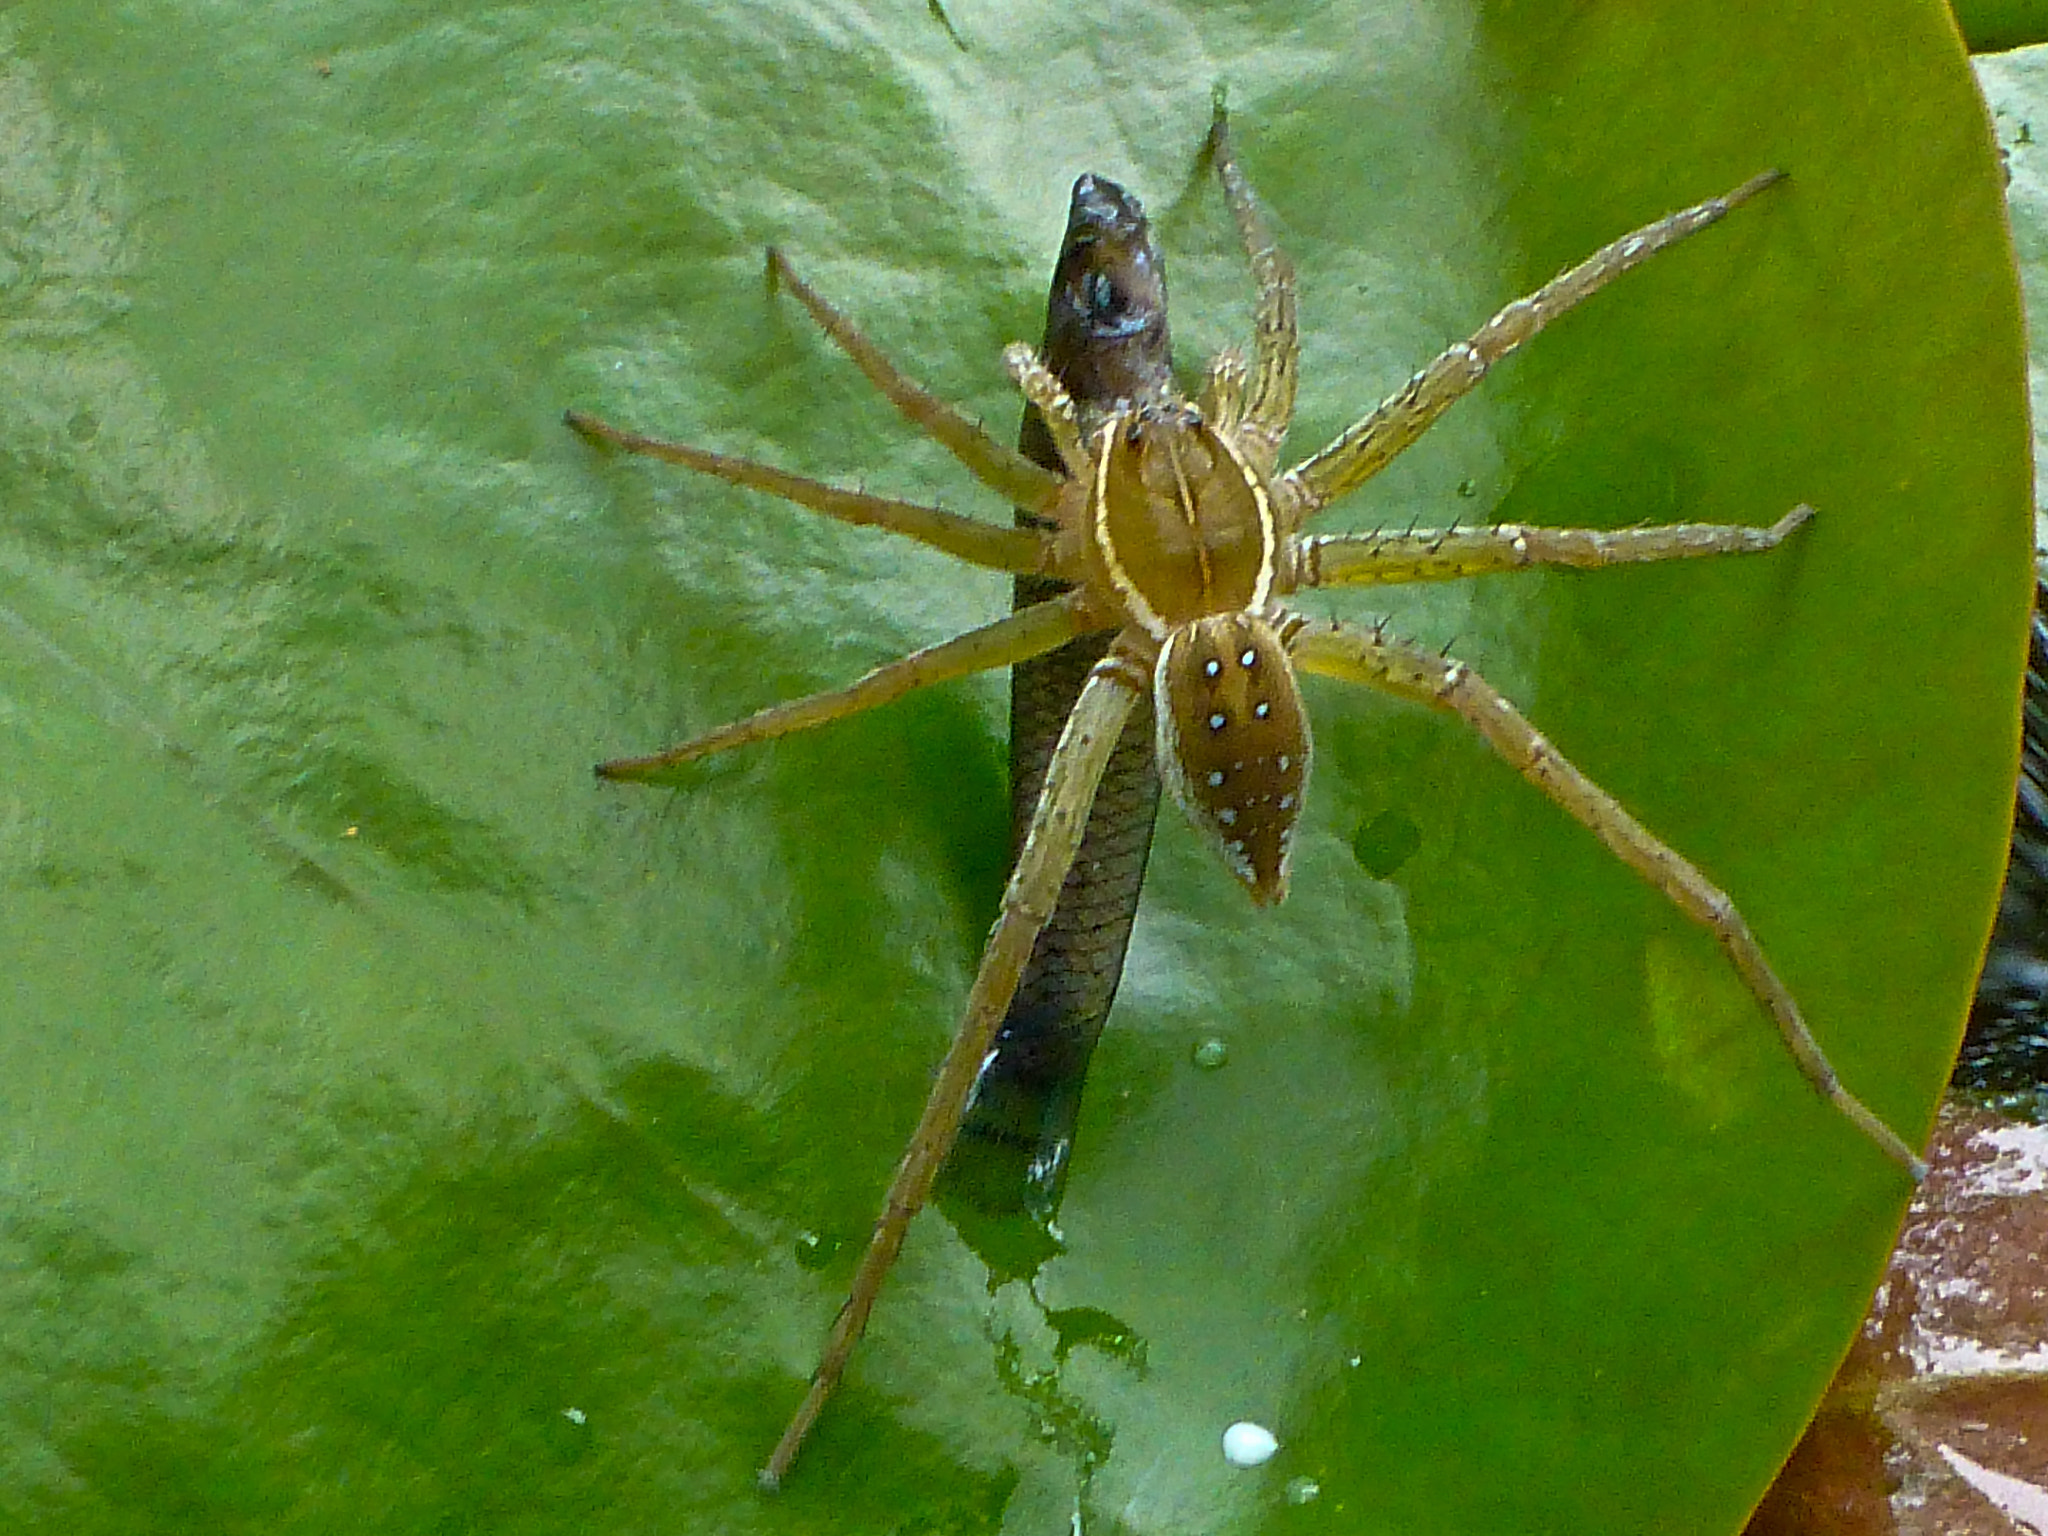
[1365, 448]
[1268, 394]
[1013, 638]
[1115, 685]
[996, 465]
[1041, 388]
[1020, 551]
[1385, 559]
[1331, 649]
[1004, 470]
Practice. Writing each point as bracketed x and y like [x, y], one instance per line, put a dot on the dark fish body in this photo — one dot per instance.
[1106, 340]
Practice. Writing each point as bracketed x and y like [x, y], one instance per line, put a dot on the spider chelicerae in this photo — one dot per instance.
[1175, 529]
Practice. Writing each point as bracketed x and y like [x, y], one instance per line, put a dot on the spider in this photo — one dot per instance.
[1175, 530]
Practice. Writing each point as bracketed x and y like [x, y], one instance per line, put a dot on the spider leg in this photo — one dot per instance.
[1410, 672]
[1017, 550]
[1002, 469]
[1276, 352]
[1222, 397]
[1366, 448]
[1378, 559]
[1042, 388]
[1016, 637]
[1113, 688]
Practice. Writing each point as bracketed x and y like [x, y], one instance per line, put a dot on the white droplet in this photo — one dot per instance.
[1246, 1444]
[1216, 722]
[1215, 778]
[573, 1415]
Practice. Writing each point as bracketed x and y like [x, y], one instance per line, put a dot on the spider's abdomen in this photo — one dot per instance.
[1180, 525]
[1233, 742]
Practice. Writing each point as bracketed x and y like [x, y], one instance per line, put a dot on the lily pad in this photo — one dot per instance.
[406, 1132]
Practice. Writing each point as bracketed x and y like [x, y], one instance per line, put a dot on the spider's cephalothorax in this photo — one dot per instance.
[1174, 532]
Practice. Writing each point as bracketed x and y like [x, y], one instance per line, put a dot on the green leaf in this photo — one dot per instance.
[405, 1132]
[1991, 26]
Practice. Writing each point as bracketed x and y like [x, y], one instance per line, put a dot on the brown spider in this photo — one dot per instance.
[1175, 529]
